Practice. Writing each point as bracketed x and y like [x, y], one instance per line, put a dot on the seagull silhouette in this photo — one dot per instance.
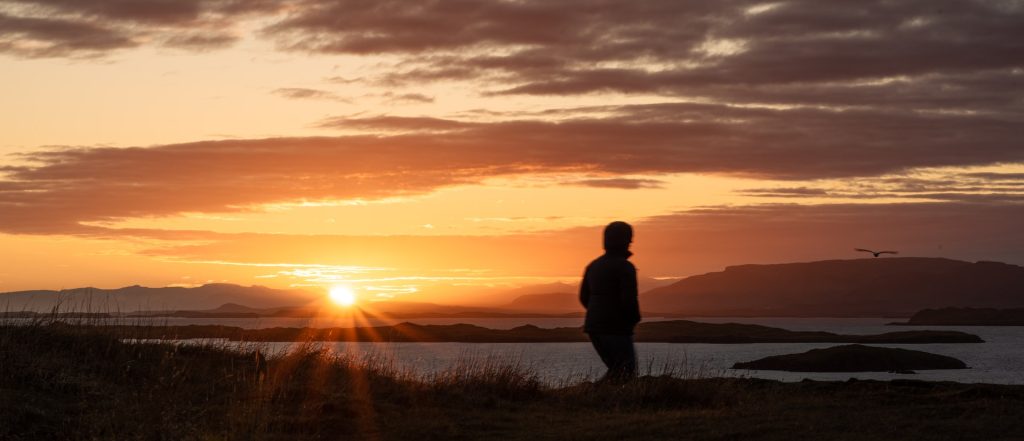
[876, 253]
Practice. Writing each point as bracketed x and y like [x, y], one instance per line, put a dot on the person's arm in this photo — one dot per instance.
[585, 290]
[630, 293]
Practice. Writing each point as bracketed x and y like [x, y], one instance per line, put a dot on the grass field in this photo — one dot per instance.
[79, 382]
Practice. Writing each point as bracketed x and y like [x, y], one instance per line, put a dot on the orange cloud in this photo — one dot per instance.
[61, 188]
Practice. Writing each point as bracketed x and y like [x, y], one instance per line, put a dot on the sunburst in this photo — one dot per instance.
[342, 295]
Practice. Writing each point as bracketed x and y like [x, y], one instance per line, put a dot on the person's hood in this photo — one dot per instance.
[617, 237]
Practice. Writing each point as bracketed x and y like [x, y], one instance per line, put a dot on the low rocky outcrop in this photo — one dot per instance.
[854, 358]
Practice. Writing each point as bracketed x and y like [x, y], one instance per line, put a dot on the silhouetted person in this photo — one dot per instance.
[609, 293]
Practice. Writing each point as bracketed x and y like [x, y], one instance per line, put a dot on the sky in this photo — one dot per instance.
[444, 150]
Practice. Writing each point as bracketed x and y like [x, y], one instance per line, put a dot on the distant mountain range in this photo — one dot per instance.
[862, 287]
[141, 298]
[895, 287]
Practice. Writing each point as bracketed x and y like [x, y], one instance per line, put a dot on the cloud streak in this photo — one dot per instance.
[300, 93]
[400, 156]
[796, 91]
[913, 53]
[620, 183]
[45, 37]
[681, 243]
[95, 28]
[960, 58]
[953, 187]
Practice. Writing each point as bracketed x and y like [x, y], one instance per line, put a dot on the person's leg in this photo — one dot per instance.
[601, 345]
[617, 353]
[623, 357]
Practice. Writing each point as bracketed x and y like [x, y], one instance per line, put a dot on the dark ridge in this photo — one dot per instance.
[676, 331]
[882, 287]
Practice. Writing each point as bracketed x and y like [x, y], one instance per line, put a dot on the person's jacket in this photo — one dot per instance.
[609, 293]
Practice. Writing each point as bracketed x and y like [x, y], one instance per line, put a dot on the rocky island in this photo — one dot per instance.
[854, 358]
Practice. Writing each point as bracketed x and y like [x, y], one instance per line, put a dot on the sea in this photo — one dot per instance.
[999, 360]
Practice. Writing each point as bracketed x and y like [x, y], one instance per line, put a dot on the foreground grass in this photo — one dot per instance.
[67, 382]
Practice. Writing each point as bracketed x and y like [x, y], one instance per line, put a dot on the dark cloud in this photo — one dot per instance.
[787, 192]
[307, 94]
[200, 42]
[972, 195]
[343, 80]
[951, 187]
[44, 37]
[408, 98]
[163, 12]
[802, 90]
[69, 186]
[794, 143]
[90, 28]
[1013, 177]
[985, 92]
[917, 54]
[152, 11]
[1001, 197]
[395, 123]
[370, 27]
[961, 57]
[622, 183]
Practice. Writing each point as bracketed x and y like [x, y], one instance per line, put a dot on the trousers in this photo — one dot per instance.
[617, 353]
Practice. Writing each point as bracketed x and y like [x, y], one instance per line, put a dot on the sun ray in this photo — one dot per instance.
[397, 328]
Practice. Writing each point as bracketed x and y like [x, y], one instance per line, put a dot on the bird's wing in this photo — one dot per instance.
[862, 249]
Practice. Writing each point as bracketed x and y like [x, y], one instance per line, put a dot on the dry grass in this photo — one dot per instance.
[60, 381]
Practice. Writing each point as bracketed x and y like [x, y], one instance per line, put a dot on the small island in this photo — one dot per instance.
[854, 358]
[673, 331]
[966, 317]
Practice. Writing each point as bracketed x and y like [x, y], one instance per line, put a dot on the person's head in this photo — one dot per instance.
[617, 236]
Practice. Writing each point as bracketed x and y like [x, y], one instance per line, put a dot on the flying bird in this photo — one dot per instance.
[876, 253]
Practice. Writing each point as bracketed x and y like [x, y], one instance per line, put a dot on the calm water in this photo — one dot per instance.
[999, 360]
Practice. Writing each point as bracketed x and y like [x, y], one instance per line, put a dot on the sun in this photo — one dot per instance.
[342, 295]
